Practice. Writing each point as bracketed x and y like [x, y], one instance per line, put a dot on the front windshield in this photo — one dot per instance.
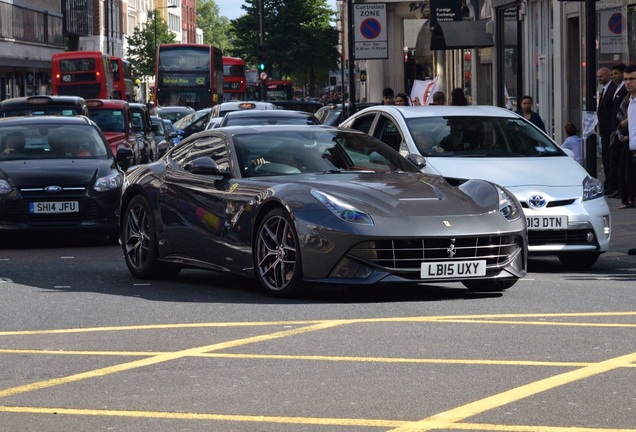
[296, 152]
[457, 136]
[109, 120]
[51, 141]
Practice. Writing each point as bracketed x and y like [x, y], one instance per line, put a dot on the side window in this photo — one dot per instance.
[387, 132]
[364, 123]
[213, 147]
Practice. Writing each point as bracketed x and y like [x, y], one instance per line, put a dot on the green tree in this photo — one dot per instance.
[216, 28]
[300, 37]
[142, 50]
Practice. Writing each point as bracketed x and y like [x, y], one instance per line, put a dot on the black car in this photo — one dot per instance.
[57, 173]
[142, 124]
[193, 123]
[297, 205]
[43, 105]
[267, 117]
[333, 115]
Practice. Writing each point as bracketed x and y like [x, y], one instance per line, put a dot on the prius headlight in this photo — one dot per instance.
[508, 206]
[110, 182]
[592, 188]
[341, 209]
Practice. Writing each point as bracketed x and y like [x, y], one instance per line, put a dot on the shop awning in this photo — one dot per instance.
[460, 34]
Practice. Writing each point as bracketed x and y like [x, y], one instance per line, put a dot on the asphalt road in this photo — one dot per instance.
[84, 346]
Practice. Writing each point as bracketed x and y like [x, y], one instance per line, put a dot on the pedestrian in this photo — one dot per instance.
[612, 186]
[605, 121]
[627, 135]
[458, 97]
[388, 96]
[402, 99]
[416, 101]
[526, 112]
[573, 141]
[439, 98]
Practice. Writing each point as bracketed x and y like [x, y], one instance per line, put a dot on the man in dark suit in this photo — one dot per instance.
[604, 115]
[612, 184]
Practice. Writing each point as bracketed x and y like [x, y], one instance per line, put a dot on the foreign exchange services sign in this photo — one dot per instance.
[371, 41]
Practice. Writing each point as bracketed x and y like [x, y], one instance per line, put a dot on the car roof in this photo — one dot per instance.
[237, 105]
[239, 130]
[106, 103]
[174, 108]
[268, 113]
[443, 111]
[71, 100]
[38, 120]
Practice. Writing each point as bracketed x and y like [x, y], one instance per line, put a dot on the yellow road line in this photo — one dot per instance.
[163, 358]
[447, 419]
[449, 318]
[202, 416]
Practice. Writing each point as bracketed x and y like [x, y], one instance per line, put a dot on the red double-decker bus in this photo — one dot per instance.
[82, 73]
[280, 90]
[188, 75]
[122, 78]
[234, 80]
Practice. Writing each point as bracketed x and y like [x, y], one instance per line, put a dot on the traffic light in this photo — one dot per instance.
[261, 57]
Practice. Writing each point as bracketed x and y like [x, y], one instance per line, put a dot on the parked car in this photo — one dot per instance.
[57, 174]
[145, 133]
[291, 205]
[43, 105]
[564, 206]
[114, 118]
[333, 115]
[266, 117]
[173, 113]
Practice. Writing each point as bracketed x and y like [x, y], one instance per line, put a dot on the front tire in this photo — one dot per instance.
[139, 241]
[489, 285]
[277, 260]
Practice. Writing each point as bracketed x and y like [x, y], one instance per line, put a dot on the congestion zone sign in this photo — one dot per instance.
[371, 40]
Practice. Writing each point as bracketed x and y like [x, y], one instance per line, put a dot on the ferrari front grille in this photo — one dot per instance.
[409, 254]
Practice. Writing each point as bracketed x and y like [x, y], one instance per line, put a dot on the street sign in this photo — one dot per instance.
[263, 76]
[371, 36]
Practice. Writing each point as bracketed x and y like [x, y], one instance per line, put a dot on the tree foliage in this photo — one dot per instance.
[142, 50]
[300, 37]
[216, 28]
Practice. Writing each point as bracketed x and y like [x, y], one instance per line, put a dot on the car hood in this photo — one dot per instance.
[549, 171]
[404, 194]
[61, 172]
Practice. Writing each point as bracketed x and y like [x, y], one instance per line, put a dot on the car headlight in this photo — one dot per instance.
[592, 188]
[508, 206]
[342, 210]
[5, 187]
[110, 182]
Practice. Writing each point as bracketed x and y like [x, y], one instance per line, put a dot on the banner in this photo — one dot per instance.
[423, 90]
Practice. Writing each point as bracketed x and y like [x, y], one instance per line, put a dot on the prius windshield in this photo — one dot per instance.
[471, 136]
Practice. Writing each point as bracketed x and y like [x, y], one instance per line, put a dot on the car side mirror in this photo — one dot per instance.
[418, 160]
[206, 165]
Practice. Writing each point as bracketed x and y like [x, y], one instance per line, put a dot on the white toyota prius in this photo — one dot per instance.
[565, 209]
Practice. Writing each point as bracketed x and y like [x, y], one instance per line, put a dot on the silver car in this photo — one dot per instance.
[566, 212]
